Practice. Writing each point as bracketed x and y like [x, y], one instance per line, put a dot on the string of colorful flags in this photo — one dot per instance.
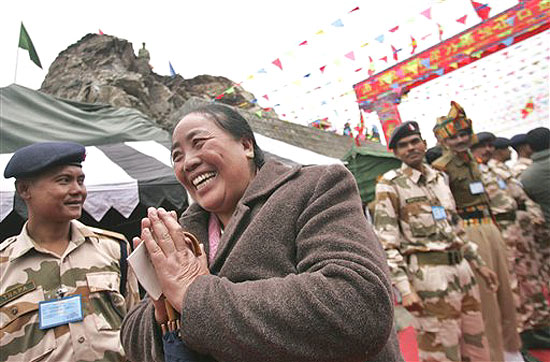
[397, 52]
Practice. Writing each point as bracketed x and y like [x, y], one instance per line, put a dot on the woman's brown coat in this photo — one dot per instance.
[299, 276]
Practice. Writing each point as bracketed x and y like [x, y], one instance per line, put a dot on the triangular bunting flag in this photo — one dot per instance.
[307, 75]
[380, 38]
[427, 13]
[392, 30]
[262, 71]
[303, 43]
[350, 55]
[338, 23]
[413, 44]
[482, 10]
[354, 9]
[100, 32]
[322, 69]
[320, 32]
[259, 113]
[440, 30]
[266, 97]
[277, 62]
[395, 51]
[172, 71]
[462, 19]
[384, 59]
[364, 45]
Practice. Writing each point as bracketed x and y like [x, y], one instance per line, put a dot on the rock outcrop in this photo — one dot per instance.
[105, 69]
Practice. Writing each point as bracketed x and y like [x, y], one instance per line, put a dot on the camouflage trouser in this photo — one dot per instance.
[450, 327]
[532, 272]
[498, 309]
[542, 246]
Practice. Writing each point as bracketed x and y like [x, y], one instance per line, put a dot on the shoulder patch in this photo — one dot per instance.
[7, 242]
[441, 163]
[390, 175]
[108, 233]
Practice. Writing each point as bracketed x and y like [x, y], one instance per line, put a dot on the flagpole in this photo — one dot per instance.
[16, 61]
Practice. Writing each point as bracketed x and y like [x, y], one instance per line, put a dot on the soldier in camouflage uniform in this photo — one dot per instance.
[62, 288]
[415, 219]
[518, 218]
[454, 133]
[524, 151]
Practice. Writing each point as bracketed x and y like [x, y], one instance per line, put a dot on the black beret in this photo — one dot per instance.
[403, 130]
[518, 140]
[433, 154]
[501, 143]
[539, 139]
[484, 137]
[33, 159]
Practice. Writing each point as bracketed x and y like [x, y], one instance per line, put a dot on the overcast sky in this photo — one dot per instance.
[237, 39]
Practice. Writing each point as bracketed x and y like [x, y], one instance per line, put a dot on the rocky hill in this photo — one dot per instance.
[105, 69]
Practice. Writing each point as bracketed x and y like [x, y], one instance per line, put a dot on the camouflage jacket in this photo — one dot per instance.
[514, 188]
[405, 224]
[500, 199]
[89, 267]
[520, 165]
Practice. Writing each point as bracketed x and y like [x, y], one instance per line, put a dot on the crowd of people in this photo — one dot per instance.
[289, 268]
[468, 248]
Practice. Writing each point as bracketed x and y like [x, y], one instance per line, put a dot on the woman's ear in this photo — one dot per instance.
[248, 147]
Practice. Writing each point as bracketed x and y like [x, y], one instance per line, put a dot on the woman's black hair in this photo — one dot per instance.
[231, 121]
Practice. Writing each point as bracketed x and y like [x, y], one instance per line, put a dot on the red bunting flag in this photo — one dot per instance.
[392, 30]
[413, 44]
[100, 32]
[266, 97]
[354, 9]
[394, 51]
[528, 109]
[482, 10]
[350, 55]
[323, 68]
[427, 13]
[303, 43]
[358, 69]
[462, 19]
[440, 29]
[277, 62]
[384, 59]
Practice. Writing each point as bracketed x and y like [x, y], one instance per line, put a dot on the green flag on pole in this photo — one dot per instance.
[25, 42]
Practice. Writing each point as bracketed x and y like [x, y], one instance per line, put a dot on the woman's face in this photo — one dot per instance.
[211, 164]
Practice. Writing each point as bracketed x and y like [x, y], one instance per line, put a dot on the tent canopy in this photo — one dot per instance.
[29, 116]
[367, 166]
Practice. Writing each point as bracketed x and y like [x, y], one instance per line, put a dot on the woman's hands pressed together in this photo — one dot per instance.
[171, 253]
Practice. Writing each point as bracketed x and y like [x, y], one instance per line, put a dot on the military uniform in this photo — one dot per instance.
[89, 267]
[498, 308]
[416, 221]
[515, 216]
[521, 164]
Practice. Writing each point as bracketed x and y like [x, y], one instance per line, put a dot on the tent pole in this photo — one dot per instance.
[16, 61]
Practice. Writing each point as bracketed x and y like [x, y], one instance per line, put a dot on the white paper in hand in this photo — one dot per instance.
[145, 273]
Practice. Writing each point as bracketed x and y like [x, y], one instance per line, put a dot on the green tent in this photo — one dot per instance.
[367, 165]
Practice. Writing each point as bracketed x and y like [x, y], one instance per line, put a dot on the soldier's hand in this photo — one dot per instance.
[412, 302]
[172, 257]
[489, 277]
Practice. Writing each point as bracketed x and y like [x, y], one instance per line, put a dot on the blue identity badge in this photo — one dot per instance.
[501, 184]
[439, 212]
[53, 313]
[476, 188]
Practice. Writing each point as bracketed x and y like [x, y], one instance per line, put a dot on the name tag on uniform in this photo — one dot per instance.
[501, 184]
[53, 313]
[439, 212]
[476, 188]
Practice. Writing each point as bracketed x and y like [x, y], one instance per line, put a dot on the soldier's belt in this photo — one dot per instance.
[506, 216]
[448, 257]
[474, 212]
[479, 221]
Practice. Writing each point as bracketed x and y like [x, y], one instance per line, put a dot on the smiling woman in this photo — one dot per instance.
[294, 273]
